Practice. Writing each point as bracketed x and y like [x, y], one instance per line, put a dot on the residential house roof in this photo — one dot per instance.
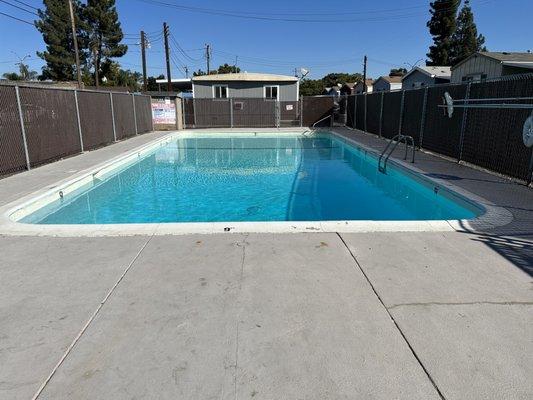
[433, 72]
[505, 57]
[245, 76]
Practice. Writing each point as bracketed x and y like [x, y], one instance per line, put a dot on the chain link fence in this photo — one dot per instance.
[489, 138]
[39, 124]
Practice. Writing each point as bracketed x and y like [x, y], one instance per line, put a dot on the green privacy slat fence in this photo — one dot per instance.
[42, 124]
[489, 138]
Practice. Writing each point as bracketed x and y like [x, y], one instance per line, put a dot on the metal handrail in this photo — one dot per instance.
[320, 120]
[394, 142]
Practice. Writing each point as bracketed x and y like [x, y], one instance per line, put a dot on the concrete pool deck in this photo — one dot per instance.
[404, 315]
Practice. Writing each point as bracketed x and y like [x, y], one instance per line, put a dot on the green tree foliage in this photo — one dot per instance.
[311, 87]
[441, 26]
[24, 74]
[54, 25]
[398, 72]
[151, 84]
[104, 35]
[222, 69]
[335, 78]
[465, 40]
[315, 87]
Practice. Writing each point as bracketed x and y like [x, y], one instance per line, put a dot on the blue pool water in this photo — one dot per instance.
[254, 178]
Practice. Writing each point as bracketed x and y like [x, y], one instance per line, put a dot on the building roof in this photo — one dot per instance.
[504, 57]
[433, 72]
[245, 76]
[349, 85]
[391, 79]
[369, 82]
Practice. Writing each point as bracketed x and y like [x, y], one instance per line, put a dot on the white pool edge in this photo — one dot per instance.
[493, 217]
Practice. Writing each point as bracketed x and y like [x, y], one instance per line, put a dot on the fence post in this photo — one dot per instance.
[151, 114]
[23, 129]
[231, 112]
[463, 123]
[134, 113]
[301, 111]
[401, 112]
[366, 98]
[113, 116]
[423, 117]
[381, 113]
[78, 118]
[355, 112]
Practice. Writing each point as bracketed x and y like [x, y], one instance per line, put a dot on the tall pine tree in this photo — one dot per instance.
[466, 40]
[104, 34]
[441, 26]
[54, 24]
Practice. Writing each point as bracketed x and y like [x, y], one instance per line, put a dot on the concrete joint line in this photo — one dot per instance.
[90, 320]
[468, 303]
[243, 245]
[392, 319]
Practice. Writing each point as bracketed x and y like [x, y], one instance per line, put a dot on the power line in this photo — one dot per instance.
[26, 4]
[18, 7]
[16, 19]
[400, 13]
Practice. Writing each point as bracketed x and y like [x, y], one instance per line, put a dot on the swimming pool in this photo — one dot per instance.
[252, 177]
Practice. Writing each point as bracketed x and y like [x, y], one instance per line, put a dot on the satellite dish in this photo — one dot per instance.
[527, 133]
[304, 72]
[448, 102]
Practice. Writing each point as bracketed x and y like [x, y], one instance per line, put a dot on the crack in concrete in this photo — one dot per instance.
[90, 320]
[467, 303]
[392, 319]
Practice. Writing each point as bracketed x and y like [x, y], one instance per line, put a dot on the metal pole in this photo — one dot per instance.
[23, 130]
[231, 112]
[463, 123]
[143, 58]
[423, 118]
[151, 115]
[381, 113]
[167, 57]
[78, 118]
[355, 111]
[366, 98]
[401, 112]
[365, 60]
[301, 111]
[183, 113]
[75, 39]
[134, 113]
[113, 116]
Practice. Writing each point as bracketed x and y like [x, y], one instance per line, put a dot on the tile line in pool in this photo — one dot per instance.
[254, 178]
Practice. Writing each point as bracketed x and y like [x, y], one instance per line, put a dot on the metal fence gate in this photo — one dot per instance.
[256, 112]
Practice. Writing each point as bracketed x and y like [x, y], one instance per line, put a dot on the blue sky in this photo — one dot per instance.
[336, 43]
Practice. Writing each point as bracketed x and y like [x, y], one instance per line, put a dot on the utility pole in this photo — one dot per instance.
[186, 72]
[143, 56]
[365, 59]
[167, 56]
[75, 39]
[207, 57]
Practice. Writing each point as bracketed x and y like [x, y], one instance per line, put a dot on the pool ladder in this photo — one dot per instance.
[391, 146]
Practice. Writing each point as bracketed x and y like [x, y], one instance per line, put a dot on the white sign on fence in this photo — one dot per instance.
[163, 112]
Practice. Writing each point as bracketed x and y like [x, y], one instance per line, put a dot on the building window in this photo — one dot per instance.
[271, 92]
[220, 91]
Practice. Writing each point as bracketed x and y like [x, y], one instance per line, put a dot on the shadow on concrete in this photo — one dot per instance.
[516, 249]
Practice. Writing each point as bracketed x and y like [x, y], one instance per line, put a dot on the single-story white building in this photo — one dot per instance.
[246, 85]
